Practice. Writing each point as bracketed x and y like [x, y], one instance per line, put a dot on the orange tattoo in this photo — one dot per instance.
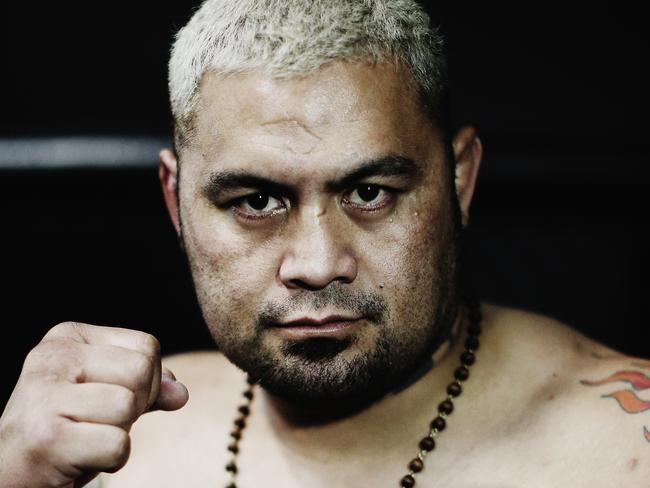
[638, 380]
[627, 399]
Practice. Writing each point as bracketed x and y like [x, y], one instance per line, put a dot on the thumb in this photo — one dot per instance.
[173, 394]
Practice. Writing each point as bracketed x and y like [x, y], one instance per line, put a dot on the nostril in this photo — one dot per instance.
[304, 285]
[315, 286]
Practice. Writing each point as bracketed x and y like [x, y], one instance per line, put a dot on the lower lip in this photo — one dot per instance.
[331, 329]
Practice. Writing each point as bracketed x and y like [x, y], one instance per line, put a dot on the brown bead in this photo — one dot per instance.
[236, 434]
[467, 358]
[248, 394]
[232, 467]
[427, 444]
[446, 407]
[231, 485]
[454, 389]
[461, 373]
[233, 448]
[416, 465]
[439, 424]
[407, 482]
[475, 314]
[472, 343]
[244, 410]
[240, 422]
[474, 329]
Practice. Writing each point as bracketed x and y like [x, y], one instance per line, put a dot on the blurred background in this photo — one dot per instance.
[558, 93]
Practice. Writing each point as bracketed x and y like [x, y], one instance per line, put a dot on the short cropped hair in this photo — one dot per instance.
[287, 38]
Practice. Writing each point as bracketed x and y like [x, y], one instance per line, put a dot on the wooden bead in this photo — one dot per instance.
[244, 410]
[439, 424]
[416, 465]
[407, 482]
[240, 422]
[475, 314]
[461, 373]
[248, 394]
[427, 444]
[467, 358]
[233, 448]
[454, 389]
[446, 407]
[231, 467]
[472, 343]
[474, 329]
[236, 434]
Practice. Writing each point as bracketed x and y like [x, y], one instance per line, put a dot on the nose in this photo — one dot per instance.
[317, 254]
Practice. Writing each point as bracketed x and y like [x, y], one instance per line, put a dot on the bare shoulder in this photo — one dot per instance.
[182, 448]
[547, 343]
[587, 407]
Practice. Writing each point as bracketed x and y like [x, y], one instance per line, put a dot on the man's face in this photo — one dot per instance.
[320, 226]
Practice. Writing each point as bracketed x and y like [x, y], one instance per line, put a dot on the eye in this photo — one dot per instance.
[258, 205]
[368, 197]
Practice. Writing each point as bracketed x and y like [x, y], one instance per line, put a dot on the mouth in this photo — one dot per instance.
[333, 326]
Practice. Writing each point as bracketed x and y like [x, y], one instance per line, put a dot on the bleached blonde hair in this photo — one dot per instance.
[288, 38]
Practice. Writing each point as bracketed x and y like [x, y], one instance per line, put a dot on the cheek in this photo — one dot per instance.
[229, 270]
[405, 258]
[411, 238]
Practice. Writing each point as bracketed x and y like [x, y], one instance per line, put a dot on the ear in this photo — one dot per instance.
[168, 174]
[468, 152]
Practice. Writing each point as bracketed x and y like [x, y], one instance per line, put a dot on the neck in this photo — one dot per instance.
[414, 398]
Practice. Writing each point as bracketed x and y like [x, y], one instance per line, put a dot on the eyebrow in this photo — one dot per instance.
[223, 181]
[386, 166]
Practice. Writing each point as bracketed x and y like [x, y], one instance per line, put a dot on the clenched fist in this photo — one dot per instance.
[79, 392]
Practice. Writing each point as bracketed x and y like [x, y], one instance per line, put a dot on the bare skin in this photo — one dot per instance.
[523, 420]
[539, 408]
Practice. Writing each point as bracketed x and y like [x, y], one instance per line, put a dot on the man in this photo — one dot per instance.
[320, 205]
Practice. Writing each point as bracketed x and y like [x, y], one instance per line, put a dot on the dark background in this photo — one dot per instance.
[557, 91]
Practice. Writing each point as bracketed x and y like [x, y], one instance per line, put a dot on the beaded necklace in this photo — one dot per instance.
[438, 424]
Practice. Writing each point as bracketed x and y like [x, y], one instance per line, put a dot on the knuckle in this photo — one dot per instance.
[150, 345]
[60, 354]
[119, 450]
[61, 330]
[143, 369]
[127, 405]
[34, 358]
[41, 354]
[56, 358]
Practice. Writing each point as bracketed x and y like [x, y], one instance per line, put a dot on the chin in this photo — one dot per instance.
[327, 374]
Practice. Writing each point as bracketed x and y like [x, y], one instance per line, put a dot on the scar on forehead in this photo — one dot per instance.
[299, 139]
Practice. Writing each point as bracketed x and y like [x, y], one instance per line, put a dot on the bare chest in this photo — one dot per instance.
[502, 465]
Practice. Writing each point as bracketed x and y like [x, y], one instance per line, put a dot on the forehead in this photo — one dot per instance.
[345, 110]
